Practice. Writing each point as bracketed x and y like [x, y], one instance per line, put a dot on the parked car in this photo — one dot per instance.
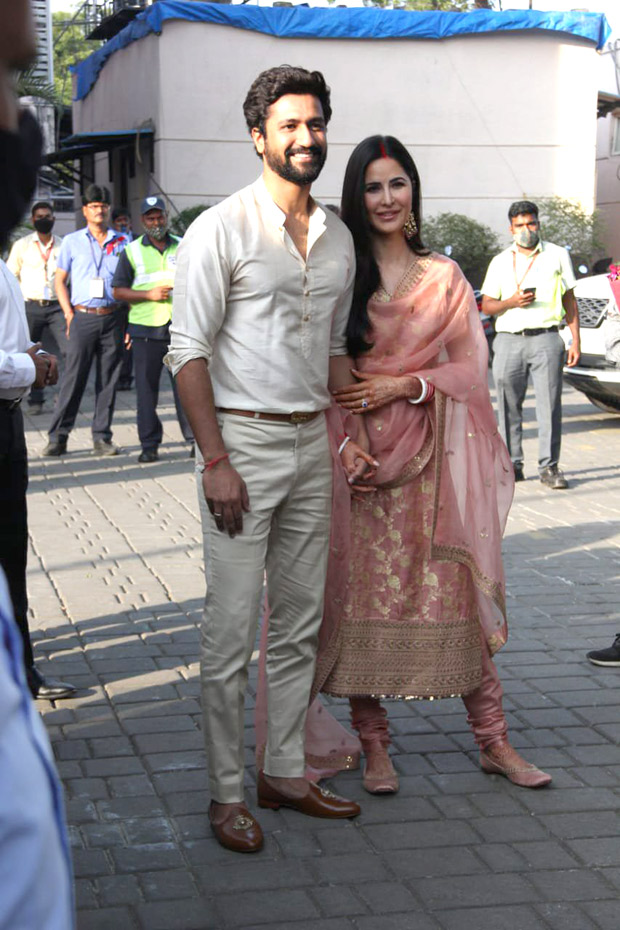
[598, 373]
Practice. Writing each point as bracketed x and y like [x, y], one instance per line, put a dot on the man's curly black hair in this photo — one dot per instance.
[274, 83]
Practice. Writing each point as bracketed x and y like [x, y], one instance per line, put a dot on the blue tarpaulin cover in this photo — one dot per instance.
[330, 23]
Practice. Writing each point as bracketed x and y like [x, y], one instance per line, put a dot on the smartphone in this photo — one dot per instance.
[530, 290]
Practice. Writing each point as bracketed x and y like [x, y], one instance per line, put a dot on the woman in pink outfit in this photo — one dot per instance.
[415, 596]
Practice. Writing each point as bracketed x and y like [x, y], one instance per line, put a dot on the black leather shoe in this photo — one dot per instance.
[519, 476]
[148, 455]
[105, 447]
[55, 448]
[553, 478]
[47, 689]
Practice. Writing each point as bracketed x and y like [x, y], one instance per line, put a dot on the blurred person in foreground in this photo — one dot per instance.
[35, 867]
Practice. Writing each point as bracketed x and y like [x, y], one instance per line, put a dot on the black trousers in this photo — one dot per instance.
[91, 338]
[148, 355]
[126, 375]
[40, 320]
[14, 517]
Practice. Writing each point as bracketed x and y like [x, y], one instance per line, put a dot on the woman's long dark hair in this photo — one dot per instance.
[353, 213]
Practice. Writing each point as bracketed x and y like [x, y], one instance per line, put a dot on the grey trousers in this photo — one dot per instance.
[515, 359]
[287, 470]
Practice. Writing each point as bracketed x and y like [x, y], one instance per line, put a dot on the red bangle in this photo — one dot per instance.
[215, 461]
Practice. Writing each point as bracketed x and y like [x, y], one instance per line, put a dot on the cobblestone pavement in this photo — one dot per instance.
[116, 586]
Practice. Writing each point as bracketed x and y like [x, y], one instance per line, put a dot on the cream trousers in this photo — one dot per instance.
[287, 470]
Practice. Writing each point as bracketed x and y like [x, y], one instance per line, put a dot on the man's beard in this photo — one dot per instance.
[287, 170]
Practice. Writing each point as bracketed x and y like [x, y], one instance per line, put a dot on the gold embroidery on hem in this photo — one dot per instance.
[334, 761]
[414, 466]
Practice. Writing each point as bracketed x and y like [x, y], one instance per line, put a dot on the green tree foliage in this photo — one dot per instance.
[469, 243]
[70, 46]
[30, 84]
[566, 223]
[183, 220]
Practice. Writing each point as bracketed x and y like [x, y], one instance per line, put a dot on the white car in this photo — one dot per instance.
[598, 373]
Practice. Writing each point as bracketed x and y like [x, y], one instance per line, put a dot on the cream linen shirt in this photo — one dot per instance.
[551, 274]
[265, 320]
[35, 275]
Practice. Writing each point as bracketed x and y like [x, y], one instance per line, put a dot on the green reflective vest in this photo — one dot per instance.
[152, 267]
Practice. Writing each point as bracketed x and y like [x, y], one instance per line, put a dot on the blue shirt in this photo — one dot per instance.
[84, 259]
[36, 885]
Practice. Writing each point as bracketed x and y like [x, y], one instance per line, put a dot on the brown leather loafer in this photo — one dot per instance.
[318, 802]
[239, 832]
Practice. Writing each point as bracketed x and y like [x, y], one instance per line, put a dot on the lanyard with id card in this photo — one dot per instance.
[96, 289]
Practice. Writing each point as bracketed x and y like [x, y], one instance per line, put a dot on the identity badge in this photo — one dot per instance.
[96, 288]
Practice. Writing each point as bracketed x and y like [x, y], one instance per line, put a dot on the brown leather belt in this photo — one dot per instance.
[99, 311]
[296, 417]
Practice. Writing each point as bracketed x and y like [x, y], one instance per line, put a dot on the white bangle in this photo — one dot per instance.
[423, 395]
[343, 444]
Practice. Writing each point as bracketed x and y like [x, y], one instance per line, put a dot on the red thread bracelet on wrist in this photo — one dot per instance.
[215, 461]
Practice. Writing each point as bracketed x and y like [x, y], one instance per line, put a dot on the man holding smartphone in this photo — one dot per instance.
[529, 290]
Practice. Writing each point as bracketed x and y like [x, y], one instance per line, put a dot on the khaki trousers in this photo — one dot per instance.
[287, 470]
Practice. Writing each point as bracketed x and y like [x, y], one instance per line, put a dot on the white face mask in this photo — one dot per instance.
[526, 238]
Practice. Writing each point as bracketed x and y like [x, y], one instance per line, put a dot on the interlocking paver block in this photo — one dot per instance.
[117, 591]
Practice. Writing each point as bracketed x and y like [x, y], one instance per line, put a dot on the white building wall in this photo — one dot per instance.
[608, 154]
[489, 119]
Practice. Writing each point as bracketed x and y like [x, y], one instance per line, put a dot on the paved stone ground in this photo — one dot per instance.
[116, 586]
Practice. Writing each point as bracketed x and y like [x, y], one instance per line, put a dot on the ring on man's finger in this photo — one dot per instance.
[216, 515]
[364, 402]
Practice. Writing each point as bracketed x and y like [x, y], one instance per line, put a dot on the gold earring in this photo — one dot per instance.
[411, 227]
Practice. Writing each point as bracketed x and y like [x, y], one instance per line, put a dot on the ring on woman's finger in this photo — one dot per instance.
[364, 402]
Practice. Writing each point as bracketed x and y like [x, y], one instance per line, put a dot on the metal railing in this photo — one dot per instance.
[94, 11]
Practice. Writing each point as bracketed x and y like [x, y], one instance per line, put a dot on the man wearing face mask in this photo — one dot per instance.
[144, 278]
[529, 290]
[33, 262]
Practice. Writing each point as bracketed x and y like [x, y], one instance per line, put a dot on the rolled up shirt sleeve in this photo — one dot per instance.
[17, 370]
[338, 340]
[201, 288]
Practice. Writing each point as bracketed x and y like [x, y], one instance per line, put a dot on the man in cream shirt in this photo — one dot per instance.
[33, 262]
[528, 288]
[261, 300]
